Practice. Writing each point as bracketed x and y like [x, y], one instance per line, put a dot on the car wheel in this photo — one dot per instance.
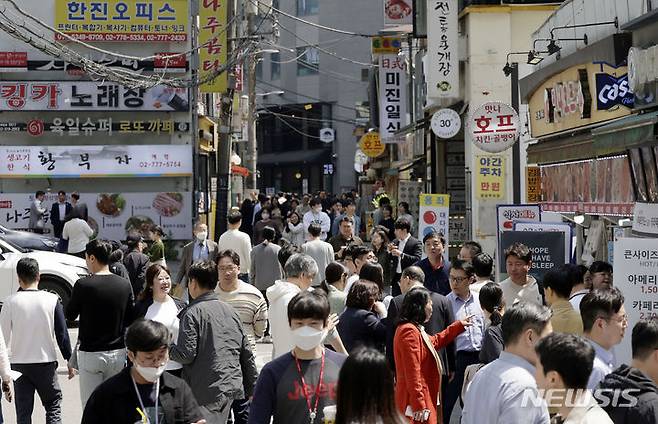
[58, 287]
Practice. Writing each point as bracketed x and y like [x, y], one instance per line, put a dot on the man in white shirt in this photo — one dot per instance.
[239, 242]
[520, 286]
[483, 266]
[320, 251]
[317, 216]
[505, 390]
[604, 324]
[580, 288]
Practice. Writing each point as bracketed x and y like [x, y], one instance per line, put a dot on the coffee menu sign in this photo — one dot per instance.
[579, 96]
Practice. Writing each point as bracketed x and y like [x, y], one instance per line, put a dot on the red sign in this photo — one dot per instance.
[16, 60]
[6, 204]
[35, 127]
[175, 62]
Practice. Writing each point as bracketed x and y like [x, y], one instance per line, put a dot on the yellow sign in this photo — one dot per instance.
[490, 178]
[212, 42]
[123, 20]
[372, 145]
[533, 184]
[571, 99]
[386, 45]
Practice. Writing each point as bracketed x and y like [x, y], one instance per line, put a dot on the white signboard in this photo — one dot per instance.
[494, 127]
[508, 214]
[443, 58]
[327, 135]
[645, 219]
[398, 12]
[561, 227]
[636, 275]
[446, 123]
[95, 161]
[89, 95]
[112, 215]
[434, 216]
[392, 97]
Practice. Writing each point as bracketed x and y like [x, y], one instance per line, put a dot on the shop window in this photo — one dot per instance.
[638, 176]
[650, 173]
[275, 66]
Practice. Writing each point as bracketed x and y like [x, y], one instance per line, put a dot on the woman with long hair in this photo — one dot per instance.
[365, 392]
[493, 306]
[380, 242]
[335, 278]
[360, 325]
[417, 363]
[294, 229]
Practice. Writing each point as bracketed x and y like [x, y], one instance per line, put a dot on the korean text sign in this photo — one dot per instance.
[88, 95]
[442, 53]
[95, 161]
[392, 97]
[490, 178]
[123, 20]
[494, 127]
[89, 126]
[434, 216]
[212, 39]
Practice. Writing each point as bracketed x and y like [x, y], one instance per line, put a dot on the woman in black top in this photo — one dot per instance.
[493, 306]
[387, 222]
[360, 325]
[380, 242]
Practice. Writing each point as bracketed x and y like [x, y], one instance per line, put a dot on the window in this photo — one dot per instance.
[275, 66]
[308, 61]
[259, 69]
[308, 7]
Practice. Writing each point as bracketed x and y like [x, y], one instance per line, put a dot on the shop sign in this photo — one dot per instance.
[490, 178]
[111, 215]
[169, 160]
[434, 215]
[611, 209]
[645, 219]
[446, 123]
[386, 45]
[547, 249]
[166, 62]
[371, 145]
[533, 184]
[442, 51]
[541, 227]
[564, 101]
[398, 12]
[213, 46]
[88, 126]
[494, 127]
[13, 61]
[122, 20]
[508, 214]
[392, 97]
[327, 135]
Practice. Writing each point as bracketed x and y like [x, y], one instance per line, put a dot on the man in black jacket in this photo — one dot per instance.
[405, 251]
[136, 263]
[640, 379]
[58, 213]
[144, 391]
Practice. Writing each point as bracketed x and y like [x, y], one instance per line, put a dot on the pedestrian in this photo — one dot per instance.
[387, 222]
[265, 267]
[37, 212]
[58, 213]
[294, 230]
[404, 251]
[483, 267]
[321, 252]
[116, 262]
[435, 267]
[335, 211]
[156, 252]
[156, 303]
[582, 286]
[79, 207]
[136, 262]
[105, 304]
[601, 275]
[383, 201]
[335, 278]
[604, 324]
[317, 216]
[344, 238]
[558, 284]
[78, 233]
[520, 286]
[563, 368]
[469, 343]
[239, 242]
[305, 206]
[505, 391]
[366, 390]
[359, 324]
[247, 212]
[640, 378]
[493, 307]
[418, 366]
[143, 392]
[251, 307]
[5, 373]
[262, 203]
[199, 249]
[469, 251]
[31, 321]
[213, 347]
[404, 212]
[359, 256]
[380, 243]
[300, 271]
[298, 384]
[265, 221]
[375, 273]
[349, 212]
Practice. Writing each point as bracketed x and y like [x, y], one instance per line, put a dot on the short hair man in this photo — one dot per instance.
[158, 392]
[641, 377]
[201, 248]
[349, 212]
[217, 359]
[601, 274]
[604, 325]
[435, 267]
[345, 238]
[37, 213]
[319, 250]
[469, 250]
[265, 267]
[360, 255]
[483, 267]
[520, 286]
[405, 251]
[58, 213]
[565, 362]
[557, 285]
[239, 242]
[581, 285]
[505, 390]
[317, 216]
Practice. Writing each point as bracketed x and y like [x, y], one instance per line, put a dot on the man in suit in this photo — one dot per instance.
[405, 251]
[441, 318]
[37, 211]
[199, 249]
[58, 213]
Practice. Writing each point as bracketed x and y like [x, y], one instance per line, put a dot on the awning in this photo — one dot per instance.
[562, 150]
[623, 134]
[239, 170]
[296, 157]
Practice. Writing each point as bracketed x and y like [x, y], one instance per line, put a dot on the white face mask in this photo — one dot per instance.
[202, 236]
[307, 338]
[150, 374]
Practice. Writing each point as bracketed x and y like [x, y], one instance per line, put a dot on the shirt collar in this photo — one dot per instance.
[606, 355]
[406, 239]
[469, 299]
[516, 360]
[579, 293]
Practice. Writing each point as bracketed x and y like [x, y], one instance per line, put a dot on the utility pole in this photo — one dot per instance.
[252, 147]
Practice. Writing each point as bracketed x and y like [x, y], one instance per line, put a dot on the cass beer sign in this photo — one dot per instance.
[580, 96]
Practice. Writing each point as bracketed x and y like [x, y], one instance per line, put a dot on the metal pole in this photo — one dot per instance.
[194, 115]
[516, 148]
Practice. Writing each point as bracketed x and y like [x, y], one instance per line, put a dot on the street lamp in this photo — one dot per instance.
[534, 58]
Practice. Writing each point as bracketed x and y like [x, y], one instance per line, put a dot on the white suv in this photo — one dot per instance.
[59, 272]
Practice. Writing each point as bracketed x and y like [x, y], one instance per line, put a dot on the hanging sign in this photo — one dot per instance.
[442, 52]
[494, 127]
[392, 97]
[490, 178]
[398, 12]
[446, 123]
[434, 216]
[372, 145]
[213, 44]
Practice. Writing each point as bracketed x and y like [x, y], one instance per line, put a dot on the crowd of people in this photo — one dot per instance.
[385, 331]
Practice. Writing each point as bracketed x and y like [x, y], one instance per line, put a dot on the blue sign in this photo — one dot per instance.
[612, 91]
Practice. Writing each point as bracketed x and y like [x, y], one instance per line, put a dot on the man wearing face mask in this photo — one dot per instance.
[144, 392]
[297, 386]
[199, 249]
[317, 216]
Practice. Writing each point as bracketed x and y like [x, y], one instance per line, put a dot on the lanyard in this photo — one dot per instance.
[145, 418]
[311, 411]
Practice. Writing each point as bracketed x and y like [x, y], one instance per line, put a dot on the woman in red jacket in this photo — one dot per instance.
[418, 367]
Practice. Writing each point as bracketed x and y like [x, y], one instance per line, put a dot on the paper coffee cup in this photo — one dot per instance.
[329, 414]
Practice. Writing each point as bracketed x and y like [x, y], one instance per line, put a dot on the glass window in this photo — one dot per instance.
[259, 69]
[307, 7]
[275, 66]
[308, 61]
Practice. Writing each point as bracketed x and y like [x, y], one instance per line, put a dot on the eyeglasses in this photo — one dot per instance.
[458, 280]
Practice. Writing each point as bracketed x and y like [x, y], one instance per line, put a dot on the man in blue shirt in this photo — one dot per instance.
[434, 266]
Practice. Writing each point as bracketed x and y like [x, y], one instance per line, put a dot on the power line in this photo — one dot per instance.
[295, 129]
[284, 116]
[307, 96]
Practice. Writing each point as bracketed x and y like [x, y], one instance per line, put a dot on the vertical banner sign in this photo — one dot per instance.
[212, 43]
[490, 178]
[443, 63]
[636, 275]
[392, 97]
[433, 216]
[533, 184]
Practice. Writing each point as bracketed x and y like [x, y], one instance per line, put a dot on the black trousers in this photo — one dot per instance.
[395, 285]
[463, 359]
[240, 409]
[43, 379]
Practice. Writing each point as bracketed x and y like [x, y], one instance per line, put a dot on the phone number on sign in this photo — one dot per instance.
[158, 164]
[128, 37]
